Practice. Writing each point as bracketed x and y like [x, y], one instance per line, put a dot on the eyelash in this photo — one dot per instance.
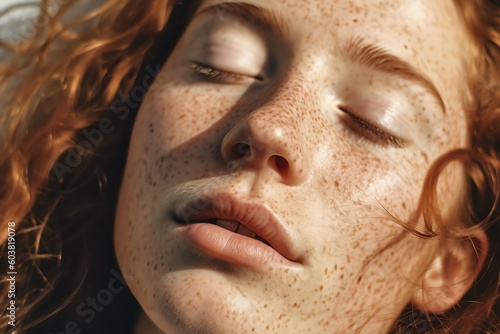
[213, 74]
[370, 132]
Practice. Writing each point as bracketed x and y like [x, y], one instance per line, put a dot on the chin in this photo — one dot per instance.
[201, 301]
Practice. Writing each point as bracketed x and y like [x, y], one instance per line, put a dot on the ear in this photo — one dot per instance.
[452, 273]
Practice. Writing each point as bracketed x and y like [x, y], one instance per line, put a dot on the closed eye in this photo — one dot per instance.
[368, 131]
[213, 74]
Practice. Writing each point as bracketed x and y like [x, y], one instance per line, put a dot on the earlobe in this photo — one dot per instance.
[454, 269]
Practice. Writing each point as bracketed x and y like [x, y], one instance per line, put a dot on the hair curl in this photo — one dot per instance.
[66, 78]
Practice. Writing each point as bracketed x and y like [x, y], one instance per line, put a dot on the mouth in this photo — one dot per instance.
[241, 231]
[235, 227]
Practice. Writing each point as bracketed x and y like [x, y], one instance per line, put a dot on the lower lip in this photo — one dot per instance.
[234, 248]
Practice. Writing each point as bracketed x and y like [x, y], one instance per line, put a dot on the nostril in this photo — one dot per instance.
[280, 163]
[238, 151]
[242, 149]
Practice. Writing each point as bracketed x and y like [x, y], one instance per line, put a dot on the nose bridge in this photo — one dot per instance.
[272, 137]
[283, 119]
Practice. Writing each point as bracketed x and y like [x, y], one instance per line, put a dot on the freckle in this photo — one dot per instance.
[404, 205]
[355, 20]
[321, 288]
[424, 155]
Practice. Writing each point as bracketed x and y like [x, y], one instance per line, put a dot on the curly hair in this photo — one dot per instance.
[69, 84]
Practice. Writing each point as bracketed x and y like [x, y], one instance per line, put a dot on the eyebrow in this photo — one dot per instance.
[357, 49]
[265, 18]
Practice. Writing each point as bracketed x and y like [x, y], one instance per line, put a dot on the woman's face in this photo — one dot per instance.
[307, 123]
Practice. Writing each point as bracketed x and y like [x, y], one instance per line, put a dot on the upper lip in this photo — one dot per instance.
[249, 212]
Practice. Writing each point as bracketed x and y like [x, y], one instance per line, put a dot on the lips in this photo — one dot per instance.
[236, 227]
[239, 230]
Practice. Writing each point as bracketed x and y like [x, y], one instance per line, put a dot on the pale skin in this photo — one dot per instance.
[322, 139]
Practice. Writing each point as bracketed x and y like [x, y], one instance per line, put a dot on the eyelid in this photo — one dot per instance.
[220, 76]
[389, 111]
[228, 45]
[391, 118]
[383, 136]
[230, 58]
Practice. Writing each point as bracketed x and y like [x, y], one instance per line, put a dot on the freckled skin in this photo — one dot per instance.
[359, 269]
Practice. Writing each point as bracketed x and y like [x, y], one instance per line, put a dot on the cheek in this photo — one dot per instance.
[363, 249]
[360, 183]
[179, 113]
[356, 236]
[162, 153]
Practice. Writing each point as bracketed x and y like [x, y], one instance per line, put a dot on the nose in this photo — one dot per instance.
[270, 140]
